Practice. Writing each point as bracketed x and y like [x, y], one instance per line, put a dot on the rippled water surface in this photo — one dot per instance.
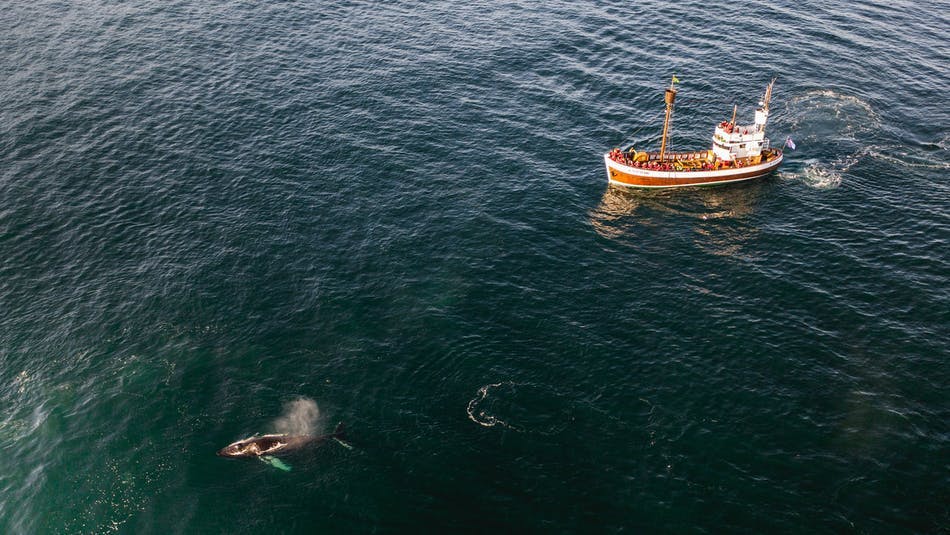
[396, 214]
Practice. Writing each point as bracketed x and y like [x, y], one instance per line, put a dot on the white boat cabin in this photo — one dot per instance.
[732, 141]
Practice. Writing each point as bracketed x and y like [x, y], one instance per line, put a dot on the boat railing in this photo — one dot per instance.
[673, 156]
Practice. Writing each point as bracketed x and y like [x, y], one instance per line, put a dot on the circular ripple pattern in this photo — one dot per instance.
[210, 210]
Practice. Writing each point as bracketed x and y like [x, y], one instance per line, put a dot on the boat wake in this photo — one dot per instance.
[844, 124]
[818, 175]
[828, 175]
[900, 157]
[822, 176]
[835, 121]
[823, 111]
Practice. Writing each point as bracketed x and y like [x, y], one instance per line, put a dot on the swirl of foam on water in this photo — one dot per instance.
[538, 409]
[851, 118]
[482, 418]
[821, 176]
[835, 120]
[838, 102]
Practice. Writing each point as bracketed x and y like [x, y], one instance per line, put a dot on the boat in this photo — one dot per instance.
[738, 153]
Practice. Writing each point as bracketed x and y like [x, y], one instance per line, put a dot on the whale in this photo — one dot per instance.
[268, 447]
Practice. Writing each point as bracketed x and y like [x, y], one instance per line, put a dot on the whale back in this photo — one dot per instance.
[264, 445]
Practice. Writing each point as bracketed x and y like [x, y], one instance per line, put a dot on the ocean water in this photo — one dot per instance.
[227, 218]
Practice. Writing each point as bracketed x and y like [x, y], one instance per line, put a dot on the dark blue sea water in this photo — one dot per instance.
[396, 215]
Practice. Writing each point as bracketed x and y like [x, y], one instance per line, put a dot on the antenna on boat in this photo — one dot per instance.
[670, 98]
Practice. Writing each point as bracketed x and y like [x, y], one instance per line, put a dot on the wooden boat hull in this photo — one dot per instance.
[635, 177]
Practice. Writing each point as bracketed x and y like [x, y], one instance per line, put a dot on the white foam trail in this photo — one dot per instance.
[820, 176]
[480, 416]
[19, 383]
[301, 417]
[534, 409]
[843, 106]
[904, 159]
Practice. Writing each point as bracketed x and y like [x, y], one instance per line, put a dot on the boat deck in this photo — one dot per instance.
[686, 161]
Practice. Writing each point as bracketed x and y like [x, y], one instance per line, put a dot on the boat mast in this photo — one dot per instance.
[762, 114]
[768, 95]
[670, 97]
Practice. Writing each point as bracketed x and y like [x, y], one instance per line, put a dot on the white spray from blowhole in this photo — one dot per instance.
[300, 417]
